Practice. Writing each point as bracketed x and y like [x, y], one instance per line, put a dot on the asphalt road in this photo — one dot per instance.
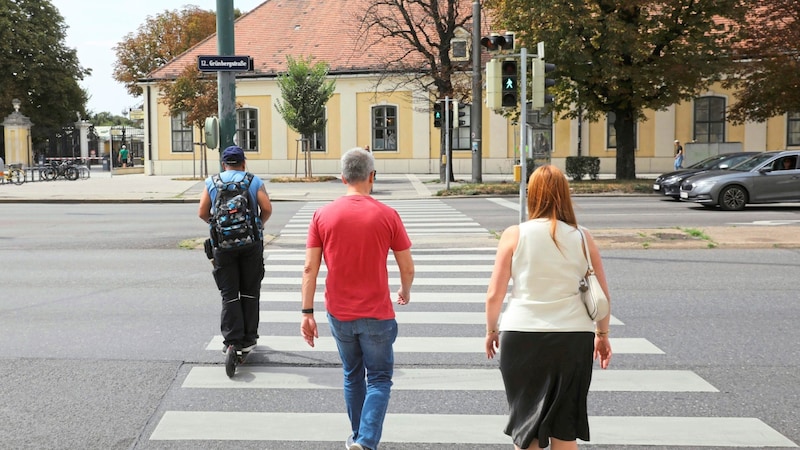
[102, 317]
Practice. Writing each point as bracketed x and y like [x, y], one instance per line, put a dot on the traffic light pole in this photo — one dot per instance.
[476, 112]
[226, 80]
[523, 124]
[447, 154]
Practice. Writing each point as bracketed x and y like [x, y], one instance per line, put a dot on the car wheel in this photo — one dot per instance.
[733, 198]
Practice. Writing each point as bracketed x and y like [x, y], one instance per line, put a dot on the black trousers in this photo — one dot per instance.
[238, 273]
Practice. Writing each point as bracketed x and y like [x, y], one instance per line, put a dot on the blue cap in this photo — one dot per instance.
[233, 155]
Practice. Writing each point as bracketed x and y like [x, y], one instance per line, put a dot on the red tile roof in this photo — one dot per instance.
[328, 30]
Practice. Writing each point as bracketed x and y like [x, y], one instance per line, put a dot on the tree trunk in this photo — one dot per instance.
[626, 147]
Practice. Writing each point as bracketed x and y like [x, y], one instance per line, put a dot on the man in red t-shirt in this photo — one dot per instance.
[355, 233]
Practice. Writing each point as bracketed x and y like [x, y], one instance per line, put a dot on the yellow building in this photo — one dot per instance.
[397, 124]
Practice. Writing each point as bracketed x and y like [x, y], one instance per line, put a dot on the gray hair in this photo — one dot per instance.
[357, 164]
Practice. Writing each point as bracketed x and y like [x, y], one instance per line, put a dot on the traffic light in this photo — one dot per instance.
[494, 85]
[438, 116]
[494, 42]
[539, 96]
[462, 114]
[458, 115]
[509, 80]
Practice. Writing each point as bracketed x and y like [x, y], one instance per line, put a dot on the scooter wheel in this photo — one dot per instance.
[231, 360]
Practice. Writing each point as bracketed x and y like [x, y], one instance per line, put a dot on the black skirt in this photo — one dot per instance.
[547, 377]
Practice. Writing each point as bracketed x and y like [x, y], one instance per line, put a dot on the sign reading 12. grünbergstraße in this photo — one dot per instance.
[217, 63]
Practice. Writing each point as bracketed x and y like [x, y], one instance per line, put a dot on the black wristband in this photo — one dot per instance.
[307, 311]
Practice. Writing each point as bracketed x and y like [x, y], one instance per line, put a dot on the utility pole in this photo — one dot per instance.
[226, 80]
[476, 112]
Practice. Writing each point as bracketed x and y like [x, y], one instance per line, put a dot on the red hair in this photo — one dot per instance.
[549, 198]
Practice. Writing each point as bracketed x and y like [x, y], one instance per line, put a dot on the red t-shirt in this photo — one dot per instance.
[356, 233]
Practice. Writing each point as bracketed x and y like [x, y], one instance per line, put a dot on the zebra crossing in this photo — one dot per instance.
[422, 218]
[445, 394]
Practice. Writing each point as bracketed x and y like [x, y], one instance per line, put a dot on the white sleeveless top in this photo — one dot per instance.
[544, 295]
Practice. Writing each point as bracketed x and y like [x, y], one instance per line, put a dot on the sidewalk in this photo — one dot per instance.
[101, 187]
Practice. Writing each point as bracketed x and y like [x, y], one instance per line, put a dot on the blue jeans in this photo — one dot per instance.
[365, 347]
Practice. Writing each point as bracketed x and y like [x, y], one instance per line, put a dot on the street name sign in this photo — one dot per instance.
[219, 63]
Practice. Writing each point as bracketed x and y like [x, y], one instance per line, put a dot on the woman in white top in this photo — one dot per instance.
[546, 339]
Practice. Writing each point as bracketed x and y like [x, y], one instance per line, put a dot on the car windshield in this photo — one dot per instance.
[750, 164]
[730, 161]
[706, 163]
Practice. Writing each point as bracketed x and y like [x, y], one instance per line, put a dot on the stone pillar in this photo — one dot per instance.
[83, 129]
[17, 135]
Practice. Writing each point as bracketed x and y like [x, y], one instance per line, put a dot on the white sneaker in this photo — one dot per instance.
[249, 348]
[350, 445]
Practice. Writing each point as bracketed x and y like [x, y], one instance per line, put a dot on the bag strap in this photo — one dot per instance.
[589, 268]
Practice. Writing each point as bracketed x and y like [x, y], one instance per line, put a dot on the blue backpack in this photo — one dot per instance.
[233, 222]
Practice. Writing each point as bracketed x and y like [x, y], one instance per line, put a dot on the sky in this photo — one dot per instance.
[95, 28]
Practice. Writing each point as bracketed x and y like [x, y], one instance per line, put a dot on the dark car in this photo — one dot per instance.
[670, 183]
[770, 177]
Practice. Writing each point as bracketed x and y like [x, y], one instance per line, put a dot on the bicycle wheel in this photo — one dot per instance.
[17, 176]
[71, 173]
[83, 171]
[49, 174]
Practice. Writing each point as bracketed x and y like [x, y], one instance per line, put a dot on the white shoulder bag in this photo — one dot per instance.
[592, 294]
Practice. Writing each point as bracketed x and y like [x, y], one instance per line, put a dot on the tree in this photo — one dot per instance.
[768, 63]
[194, 93]
[160, 39]
[626, 56]
[305, 94]
[38, 68]
[423, 31]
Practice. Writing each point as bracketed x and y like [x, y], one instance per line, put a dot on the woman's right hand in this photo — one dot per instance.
[492, 344]
[602, 350]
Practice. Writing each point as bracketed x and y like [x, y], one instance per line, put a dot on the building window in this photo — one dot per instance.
[384, 129]
[793, 129]
[709, 119]
[460, 138]
[181, 134]
[540, 135]
[247, 129]
[611, 132]
[318, 140]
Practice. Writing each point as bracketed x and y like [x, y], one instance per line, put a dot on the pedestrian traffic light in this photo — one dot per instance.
[437, 115]
[494, 85]
[540, 83]
[509, 80]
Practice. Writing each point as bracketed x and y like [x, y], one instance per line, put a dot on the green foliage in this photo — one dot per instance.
[768, 65]
[626, 56]
[578, 166]
[157, 41]
[38, 68]
[193, 93]
[304, 92]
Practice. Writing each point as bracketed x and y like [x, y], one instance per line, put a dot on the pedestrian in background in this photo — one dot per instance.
[238, 271]
[678, 155]
[354, 234]
[546, 339]
[123, 156]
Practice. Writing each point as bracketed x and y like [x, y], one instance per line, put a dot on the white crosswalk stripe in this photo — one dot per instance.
[420, 217]
[453, 296]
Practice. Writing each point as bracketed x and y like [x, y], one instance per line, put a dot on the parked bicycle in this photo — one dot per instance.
[65, 169]
[14, 174]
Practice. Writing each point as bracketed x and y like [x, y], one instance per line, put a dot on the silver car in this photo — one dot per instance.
[769, 177]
